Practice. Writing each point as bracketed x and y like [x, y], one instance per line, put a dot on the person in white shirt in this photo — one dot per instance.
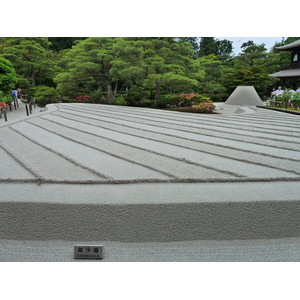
[278, 92]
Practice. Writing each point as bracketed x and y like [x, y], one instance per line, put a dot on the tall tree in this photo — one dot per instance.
[88, 66]
[31, 58]
[224, 47]
[61, 43]
[251, 67]
[207, 46]
[253, 53]
[194, 41]
[160, 63]
[8, 77]
[214, 72]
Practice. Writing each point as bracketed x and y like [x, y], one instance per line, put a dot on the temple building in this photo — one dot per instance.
[290, 74]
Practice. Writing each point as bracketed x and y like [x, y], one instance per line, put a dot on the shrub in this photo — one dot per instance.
[296, 96]
[190, 96]
[147, 103]
[121, 101]
[164, 101]
[45, 95]
[197, 99]
[213, 97]
[96, 97]
[135, 95]
[5, 97]
[3, 105]
[206, 107]
[219, 97]
[66, 100]
[84, 99]
[8, 77]
[183, 100]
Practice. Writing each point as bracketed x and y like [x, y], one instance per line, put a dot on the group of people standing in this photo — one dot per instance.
[279, 91]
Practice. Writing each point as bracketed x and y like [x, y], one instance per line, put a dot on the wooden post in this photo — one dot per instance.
[5, 116]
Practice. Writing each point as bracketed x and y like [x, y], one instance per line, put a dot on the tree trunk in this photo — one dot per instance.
[110, 95]
[99, 88]
[116, 88]
[157, 91]
[32, 78]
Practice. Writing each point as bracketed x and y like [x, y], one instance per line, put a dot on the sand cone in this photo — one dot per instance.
[244, 95]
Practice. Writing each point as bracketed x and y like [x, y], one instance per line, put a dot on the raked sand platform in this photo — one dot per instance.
[150, 185]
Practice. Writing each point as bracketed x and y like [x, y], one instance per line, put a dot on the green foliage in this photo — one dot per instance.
[121, 101]
[286, 97]
[8, 77]
[45, 95]
[97, 97]
[135, 95]
[252, 76]
[178, 83]
[23, 83]
[61, 43]
[224, 47]
[5, 97]
[87, 67]
[206, 107]
[252, 54]
[217, 96]
[296, 96]
[67, 85]
[208, 46]
[155, 64]
[144, 71]
[214, 75]
[295, 101]
[164, 101]
[182, 100]
[31, 58]
[203, 98]
[193, 41]
[291, 40]
[147, 103]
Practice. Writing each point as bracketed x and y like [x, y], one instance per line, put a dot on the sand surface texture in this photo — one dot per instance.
[85, 172]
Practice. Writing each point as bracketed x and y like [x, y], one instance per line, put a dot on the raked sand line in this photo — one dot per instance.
[195, 142]
[232, 134]
[180, 118]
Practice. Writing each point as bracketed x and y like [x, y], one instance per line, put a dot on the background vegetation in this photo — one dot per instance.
[134, 71]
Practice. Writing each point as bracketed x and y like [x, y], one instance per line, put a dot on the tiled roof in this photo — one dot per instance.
[289, 46]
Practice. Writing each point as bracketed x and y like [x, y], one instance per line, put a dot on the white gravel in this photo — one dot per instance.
[153, 185]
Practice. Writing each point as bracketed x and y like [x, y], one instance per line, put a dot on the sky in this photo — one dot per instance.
[238, 41]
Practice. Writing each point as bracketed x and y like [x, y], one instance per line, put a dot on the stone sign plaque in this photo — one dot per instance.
[88, 252]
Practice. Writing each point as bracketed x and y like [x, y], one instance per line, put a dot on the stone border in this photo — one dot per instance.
[281, 110]
[142, 213]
